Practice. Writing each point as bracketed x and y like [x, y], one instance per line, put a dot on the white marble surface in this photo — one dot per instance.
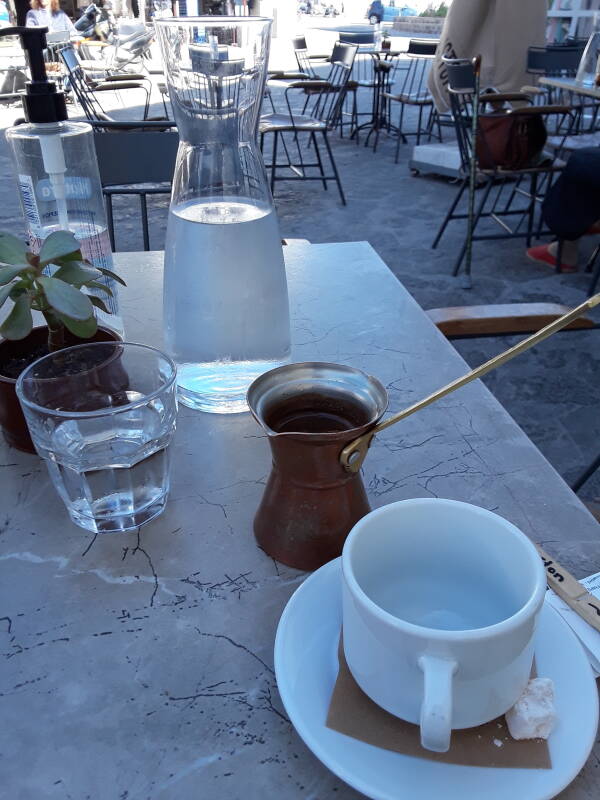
[141, 667]
[570, 85]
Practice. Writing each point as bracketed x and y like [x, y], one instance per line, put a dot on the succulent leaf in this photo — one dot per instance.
[110, 274]
[58, 245]
[84, 329]
[12, 249]
[101, 286]
[98, 303]
[8, 273]
[19, 322]
[5, 292]
[66, 299]
[76, 273]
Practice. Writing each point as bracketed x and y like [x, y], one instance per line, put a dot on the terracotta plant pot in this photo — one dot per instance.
[386, 44]
[12, 420]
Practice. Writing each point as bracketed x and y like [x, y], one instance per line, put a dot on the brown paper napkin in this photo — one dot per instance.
[353, 713]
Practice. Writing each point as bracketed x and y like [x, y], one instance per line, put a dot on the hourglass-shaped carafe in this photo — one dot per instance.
[226, 310]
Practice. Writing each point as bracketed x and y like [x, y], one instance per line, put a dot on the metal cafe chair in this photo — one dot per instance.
[529, 182]
[134, 158]
[307, 72]
[55, 41]
[559, 61]
[508, 319]
[320, 114]
[551, 61]
[304, 61]
[86, 88]
[414, 93]
[364, 76]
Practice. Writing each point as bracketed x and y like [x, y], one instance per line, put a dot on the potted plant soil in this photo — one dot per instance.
[59, 297]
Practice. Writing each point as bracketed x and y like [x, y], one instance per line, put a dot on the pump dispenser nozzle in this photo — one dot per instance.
[42, 102]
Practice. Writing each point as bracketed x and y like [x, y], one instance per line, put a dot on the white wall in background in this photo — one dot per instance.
[284, 14]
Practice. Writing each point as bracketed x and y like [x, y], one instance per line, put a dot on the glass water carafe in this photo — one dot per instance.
[226, 313]
[589, 66]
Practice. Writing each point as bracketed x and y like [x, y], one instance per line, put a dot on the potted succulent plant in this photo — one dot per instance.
[69, 313]
[386, 42]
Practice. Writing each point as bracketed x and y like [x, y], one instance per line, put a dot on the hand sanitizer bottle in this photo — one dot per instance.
[57, 172]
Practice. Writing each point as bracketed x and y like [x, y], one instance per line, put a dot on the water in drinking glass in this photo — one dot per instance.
[112, 476]
[102, 415]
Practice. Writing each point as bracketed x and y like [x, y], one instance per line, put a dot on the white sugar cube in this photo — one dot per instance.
[533, 715]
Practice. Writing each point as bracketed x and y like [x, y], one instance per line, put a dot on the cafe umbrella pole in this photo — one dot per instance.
[467, 283]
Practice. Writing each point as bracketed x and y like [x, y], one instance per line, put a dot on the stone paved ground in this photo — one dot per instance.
[553, 392]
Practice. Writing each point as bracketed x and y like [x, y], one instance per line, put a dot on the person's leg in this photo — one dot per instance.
[570, 207]
[546, 254]
[572, 204]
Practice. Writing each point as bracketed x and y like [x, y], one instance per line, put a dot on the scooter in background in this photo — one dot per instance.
[126, 46]
[97, 23]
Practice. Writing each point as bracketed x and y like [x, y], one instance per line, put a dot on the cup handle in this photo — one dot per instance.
[436, 709]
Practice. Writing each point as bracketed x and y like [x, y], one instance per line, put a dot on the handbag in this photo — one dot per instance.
[510, 140]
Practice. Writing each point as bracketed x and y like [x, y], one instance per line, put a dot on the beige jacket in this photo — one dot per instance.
[498, 30]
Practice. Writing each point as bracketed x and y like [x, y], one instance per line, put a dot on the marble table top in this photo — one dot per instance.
[141, 665]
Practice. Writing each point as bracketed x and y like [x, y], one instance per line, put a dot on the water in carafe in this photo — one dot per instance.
[225, 298]
[225, 304]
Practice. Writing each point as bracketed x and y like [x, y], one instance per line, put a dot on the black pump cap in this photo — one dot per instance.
[42, 101]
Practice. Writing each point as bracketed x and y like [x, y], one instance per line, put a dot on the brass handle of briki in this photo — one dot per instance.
[353, 455]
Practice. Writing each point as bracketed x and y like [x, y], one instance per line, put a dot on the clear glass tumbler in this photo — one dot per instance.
[102, 415]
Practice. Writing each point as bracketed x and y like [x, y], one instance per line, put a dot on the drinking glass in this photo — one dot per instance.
[102, 416]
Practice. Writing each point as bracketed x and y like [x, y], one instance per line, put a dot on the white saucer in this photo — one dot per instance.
[306, 667]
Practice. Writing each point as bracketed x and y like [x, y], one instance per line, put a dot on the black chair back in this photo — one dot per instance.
[363, 70]
[302, 57]
[327, 105]
[78, 82]
[413, 86]
[555, 61]
[134, 161]
[461, 88]
[342, 55]
[136, 156]
[357, 37]
[211, 88]
[422, 47]
[54, 42]
[461, 76]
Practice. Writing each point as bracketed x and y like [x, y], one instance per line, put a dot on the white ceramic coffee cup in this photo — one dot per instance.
[440, 601]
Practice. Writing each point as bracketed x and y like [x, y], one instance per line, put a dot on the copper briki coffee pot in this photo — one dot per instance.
[310, 412]
[320, 420]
